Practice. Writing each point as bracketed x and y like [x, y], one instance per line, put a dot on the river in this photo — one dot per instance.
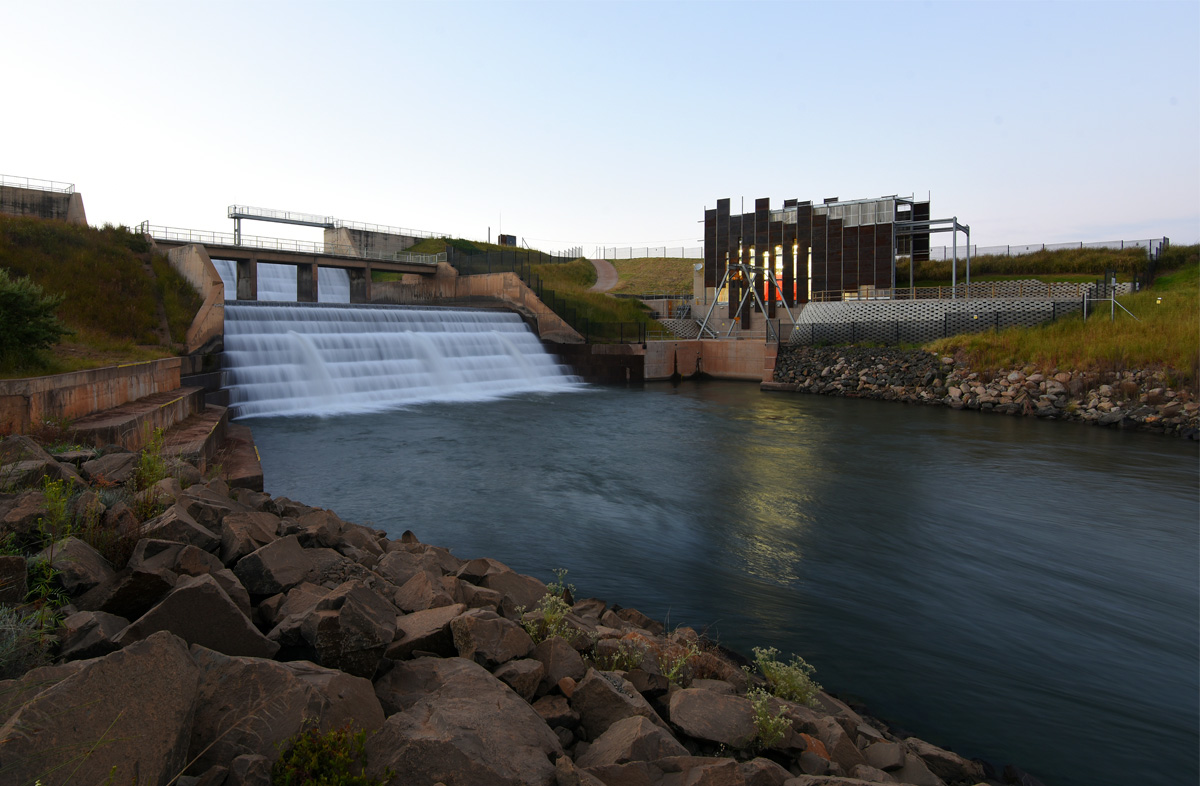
[1016, 590]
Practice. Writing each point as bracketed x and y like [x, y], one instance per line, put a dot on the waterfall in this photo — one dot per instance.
[278, 282]
[306, 359]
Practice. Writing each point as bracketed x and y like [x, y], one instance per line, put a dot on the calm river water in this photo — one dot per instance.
[1019, 591]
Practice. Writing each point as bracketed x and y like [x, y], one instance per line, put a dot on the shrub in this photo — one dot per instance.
[673, 660]
[792, 681]
[769, 729]
[627, 657]
[27, 319]
[550, 617]
[333, 758]
[151, 466]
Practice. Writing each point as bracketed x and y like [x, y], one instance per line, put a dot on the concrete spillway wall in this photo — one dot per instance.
[365, 242]
[16, 201]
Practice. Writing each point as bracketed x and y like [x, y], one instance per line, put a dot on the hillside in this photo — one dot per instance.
[121, 301]
[654, 276]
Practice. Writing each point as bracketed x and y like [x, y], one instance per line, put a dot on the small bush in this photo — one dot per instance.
[550, 616]
[792, 681]
[151, 466]
[333, 758]
[628, 657]
[27, 319]
[769, 729]
[673, 661]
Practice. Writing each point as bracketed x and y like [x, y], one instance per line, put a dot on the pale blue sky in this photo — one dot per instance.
[611, 123]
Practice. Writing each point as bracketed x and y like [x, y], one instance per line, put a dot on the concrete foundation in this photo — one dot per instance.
[715, 358]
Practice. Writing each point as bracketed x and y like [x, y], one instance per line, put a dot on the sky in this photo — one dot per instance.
[610, 123]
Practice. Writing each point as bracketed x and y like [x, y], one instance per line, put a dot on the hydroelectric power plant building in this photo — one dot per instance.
[816, 250]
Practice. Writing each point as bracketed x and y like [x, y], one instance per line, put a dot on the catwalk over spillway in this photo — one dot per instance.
[324, 359]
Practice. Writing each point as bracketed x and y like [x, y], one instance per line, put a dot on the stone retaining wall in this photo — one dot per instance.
[1140, 399]
[27, 403]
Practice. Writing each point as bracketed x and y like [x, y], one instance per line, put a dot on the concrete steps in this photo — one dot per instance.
[199, 437]
[131, 425]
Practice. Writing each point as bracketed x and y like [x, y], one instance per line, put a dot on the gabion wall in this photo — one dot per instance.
[891, 322]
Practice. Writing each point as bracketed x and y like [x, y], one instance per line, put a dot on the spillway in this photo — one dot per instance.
[278, 282]
[318, 359]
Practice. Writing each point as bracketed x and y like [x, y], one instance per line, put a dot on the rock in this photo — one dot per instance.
[567, 774]
[129, 593]
[21, 518]
[916, 772]
[640, 620]
[198, 611]
[398, 566]
[425, 631]
[13, 578]
[462, 726]
[421, 592]
[89, 634]
[275, 567]
[243, 533]
[130, 712]
[348, 629]
[840, 745]
[523, 676]
[175, 524]
[763, 772]
[603, 698]
[713, 717]
[556, 712]
[110, 469]
[631, 739]
[298, 599]
[250, 706]
[488, 639]
[945, 764]
[209, 506]
[887, 756]
[560, 660]
[870, 774]
[317, 529]
[521, 590]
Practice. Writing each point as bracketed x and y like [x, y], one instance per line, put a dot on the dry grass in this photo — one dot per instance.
[113, 288]
[654, 276]
[1167, 337]
[1087, 262]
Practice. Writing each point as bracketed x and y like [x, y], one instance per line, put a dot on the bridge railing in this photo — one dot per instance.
[387, 230]
[37, 184]
[204, 237]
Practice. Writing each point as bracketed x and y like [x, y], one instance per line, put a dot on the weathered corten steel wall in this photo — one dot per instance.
[842, 257]
[25, 403]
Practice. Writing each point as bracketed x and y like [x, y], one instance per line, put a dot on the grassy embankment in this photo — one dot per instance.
[654, 276]
[1166, 334]
[1075, 265]
[594, 313]
[122, 302]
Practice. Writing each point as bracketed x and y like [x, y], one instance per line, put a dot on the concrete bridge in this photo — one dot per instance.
[249, 251]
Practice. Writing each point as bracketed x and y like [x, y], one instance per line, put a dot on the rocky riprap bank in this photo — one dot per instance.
[1130, 399]
[242, 618]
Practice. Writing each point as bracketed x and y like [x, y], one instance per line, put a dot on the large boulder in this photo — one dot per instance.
[349, 629]
[89, 634]
[251, 706]
[425, 631]
[13, 579]
[461, 725]
[603, 697]
[422, 592]
[523, 675]
[242, 533]
[560, 659]
[631, 739]
[945, 764]
[123, 718]
[200, 612]
[488, 639]
[276, 567]
[112, 468]
[129, 593]
[176, 524]
[713, 717]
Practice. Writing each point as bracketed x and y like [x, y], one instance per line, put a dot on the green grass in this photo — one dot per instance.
[1167, 337]
[112, 288]
[570, 282]
[1072, 261]
[654, 276]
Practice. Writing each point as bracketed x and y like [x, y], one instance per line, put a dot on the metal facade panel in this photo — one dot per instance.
[722, 241]
[833, 246]
[884, 255]
[710, 248]
[920, 243]
[804, 235]
[820, 254]
[850, 279]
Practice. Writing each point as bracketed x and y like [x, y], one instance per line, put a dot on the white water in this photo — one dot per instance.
[278, 282]
[322, 360]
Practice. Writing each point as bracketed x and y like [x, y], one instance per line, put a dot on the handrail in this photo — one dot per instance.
[180, 235]
[37, 184]
[284, 216]
[386, 230]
